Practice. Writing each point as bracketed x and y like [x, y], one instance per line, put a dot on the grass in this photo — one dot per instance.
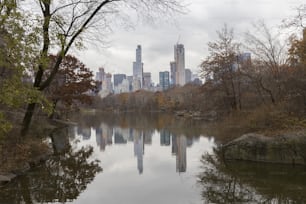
[266, 120]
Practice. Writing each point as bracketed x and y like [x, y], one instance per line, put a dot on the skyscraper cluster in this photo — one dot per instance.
[104, 82]
[178, 75]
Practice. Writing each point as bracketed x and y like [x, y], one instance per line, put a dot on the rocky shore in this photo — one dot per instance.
[6, 177]
[40, 155]
[288, 148]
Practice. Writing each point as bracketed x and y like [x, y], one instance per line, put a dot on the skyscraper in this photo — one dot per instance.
[107, 83]
[172, 73]
[100, 74]
[179, 57]
[138, 66]
[118, 78]
[164, 80]
[147, 82]
[188, 75]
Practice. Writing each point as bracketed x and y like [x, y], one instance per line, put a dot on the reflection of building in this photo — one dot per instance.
[164, 137]
[119, 138]
[174, 145]
[85, 132]
[99, 139]
[179, 145]
[131, 136]
[104, 136]
[139, 150]
[147, 136]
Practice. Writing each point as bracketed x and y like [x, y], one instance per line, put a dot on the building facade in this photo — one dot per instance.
[172, 73]
[188, 76]
[118, 78]
[147, 81]
[179, 57]
[138, 66]
[164, 80]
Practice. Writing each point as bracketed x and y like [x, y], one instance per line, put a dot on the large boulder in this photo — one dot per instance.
[5, 178]
[288, 148]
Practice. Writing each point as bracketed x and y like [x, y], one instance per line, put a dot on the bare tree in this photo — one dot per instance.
[220, 65]
[269, 60]
[297, 21]
[65, 23]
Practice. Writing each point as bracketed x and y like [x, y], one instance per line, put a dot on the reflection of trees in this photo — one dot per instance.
[245, 182]
[61, 179]
[142, 121]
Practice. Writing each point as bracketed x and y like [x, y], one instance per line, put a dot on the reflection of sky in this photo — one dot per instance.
[120, 181]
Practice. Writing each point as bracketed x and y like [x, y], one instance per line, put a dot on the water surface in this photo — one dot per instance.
[148, 159]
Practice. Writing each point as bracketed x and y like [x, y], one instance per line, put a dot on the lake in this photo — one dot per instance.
[153, 158]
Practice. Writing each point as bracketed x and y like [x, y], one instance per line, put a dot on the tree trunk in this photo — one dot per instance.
[27, 118]
[53, 108]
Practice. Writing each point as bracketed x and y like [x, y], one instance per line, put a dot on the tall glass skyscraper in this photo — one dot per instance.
[164, 80]
[138, 66]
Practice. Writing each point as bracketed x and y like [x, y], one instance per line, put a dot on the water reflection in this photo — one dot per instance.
[61, 179]
[245, 182]
[155, 157]
[105, 135]
[149, 159]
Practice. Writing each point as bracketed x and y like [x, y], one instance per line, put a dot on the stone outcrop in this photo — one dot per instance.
[288, 148]
[5, 178]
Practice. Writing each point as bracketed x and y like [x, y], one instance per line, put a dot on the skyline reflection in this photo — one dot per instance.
[113, 135]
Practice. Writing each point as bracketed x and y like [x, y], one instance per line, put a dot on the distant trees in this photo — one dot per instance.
[188, 97]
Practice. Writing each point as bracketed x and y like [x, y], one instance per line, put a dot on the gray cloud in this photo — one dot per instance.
[195, 30]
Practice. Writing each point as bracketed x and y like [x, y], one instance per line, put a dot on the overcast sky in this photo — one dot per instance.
[194, 29]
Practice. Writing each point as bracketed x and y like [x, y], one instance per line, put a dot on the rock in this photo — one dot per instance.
[180, 113]
[5, 178]
[286, 149]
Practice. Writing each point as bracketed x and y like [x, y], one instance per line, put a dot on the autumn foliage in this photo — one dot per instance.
[72, 83]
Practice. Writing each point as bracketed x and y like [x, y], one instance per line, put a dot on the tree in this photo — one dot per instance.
[220, 65]
[71, 84]
[61, 179]
[65, 23]
[269, 61]
[18, 48]
[297, 50]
